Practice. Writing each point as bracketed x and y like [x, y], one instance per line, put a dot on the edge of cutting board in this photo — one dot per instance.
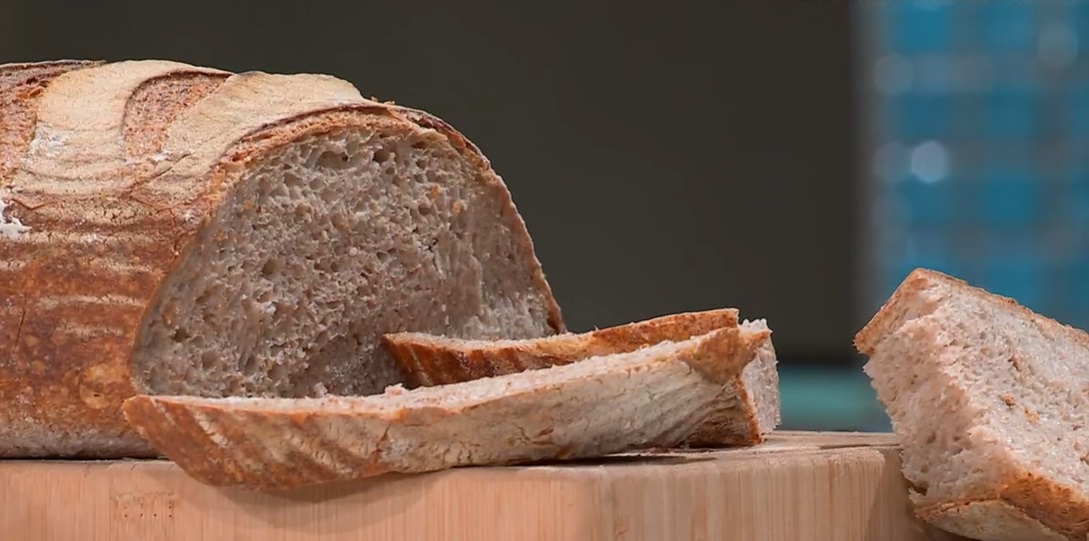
[795, 486]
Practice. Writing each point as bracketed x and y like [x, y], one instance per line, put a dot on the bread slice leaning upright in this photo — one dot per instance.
[651, 397]
[989, 401]
[175, 229]
[431, 360]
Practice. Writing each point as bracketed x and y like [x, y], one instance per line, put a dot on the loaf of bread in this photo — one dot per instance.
[652, 397]
[989, 402]
[172, 229]
[436, 360]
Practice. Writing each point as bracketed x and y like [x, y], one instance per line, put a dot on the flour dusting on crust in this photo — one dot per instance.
[10, 226]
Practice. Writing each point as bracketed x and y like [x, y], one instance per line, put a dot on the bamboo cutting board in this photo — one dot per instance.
[797, 486]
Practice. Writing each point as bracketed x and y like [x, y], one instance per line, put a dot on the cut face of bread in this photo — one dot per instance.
[184, 230]
[321, 245]
[432, 360]
[989, 401]
[651, 397]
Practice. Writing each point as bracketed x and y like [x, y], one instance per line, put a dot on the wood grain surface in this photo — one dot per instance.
[796, 486]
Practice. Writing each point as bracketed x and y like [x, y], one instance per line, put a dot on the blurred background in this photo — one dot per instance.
[793, 159]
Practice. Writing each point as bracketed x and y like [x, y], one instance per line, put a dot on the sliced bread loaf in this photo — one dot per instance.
[432, 360]
[990, 403]
[184, 230]
[651, 397]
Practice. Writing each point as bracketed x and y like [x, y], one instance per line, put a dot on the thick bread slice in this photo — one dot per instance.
[603, 405]
[989, 401]
[434, 360]
[173, 229]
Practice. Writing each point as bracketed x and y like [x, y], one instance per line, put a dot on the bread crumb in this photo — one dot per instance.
[1008, 400]
[1031, 415]
[396, 390]
[10, 226]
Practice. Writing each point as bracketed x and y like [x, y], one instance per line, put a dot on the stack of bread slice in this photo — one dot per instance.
[699, 378]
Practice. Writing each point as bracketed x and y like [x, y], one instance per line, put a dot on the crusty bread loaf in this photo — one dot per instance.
[651, 397]
[435, 360]
[989, 402]
[174, 229]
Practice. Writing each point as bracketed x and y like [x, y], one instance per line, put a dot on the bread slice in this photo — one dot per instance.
[651, 397]
[176, 229]
[990, 403]
[433, 360]
[436, 360]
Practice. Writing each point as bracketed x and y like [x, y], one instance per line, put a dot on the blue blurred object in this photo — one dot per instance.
[978, 165]
[991, 104]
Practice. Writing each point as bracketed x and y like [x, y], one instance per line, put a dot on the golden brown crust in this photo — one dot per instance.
[114, 180]
[885, 320]
[990, 520]
[429, 360]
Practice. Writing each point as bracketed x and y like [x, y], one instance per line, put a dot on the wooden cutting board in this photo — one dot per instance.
[797, 486]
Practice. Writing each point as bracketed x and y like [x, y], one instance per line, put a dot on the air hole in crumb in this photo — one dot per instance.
[326, 265]
[424, 209]
[932, 438]
[271, 268]
[208, 360]
[419, 145]
[332, 160]
[180, 335]
[384, 256]
[292, 180]
[250, 366]
[277, 373]
[383, 155]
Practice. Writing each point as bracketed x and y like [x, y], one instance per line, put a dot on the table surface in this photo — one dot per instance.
[795, 486]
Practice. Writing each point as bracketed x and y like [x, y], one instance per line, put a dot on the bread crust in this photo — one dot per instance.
[113, 210]
[1033, 505]
[991, 520]
[283, 444]
[431, 360]
[434, 360]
